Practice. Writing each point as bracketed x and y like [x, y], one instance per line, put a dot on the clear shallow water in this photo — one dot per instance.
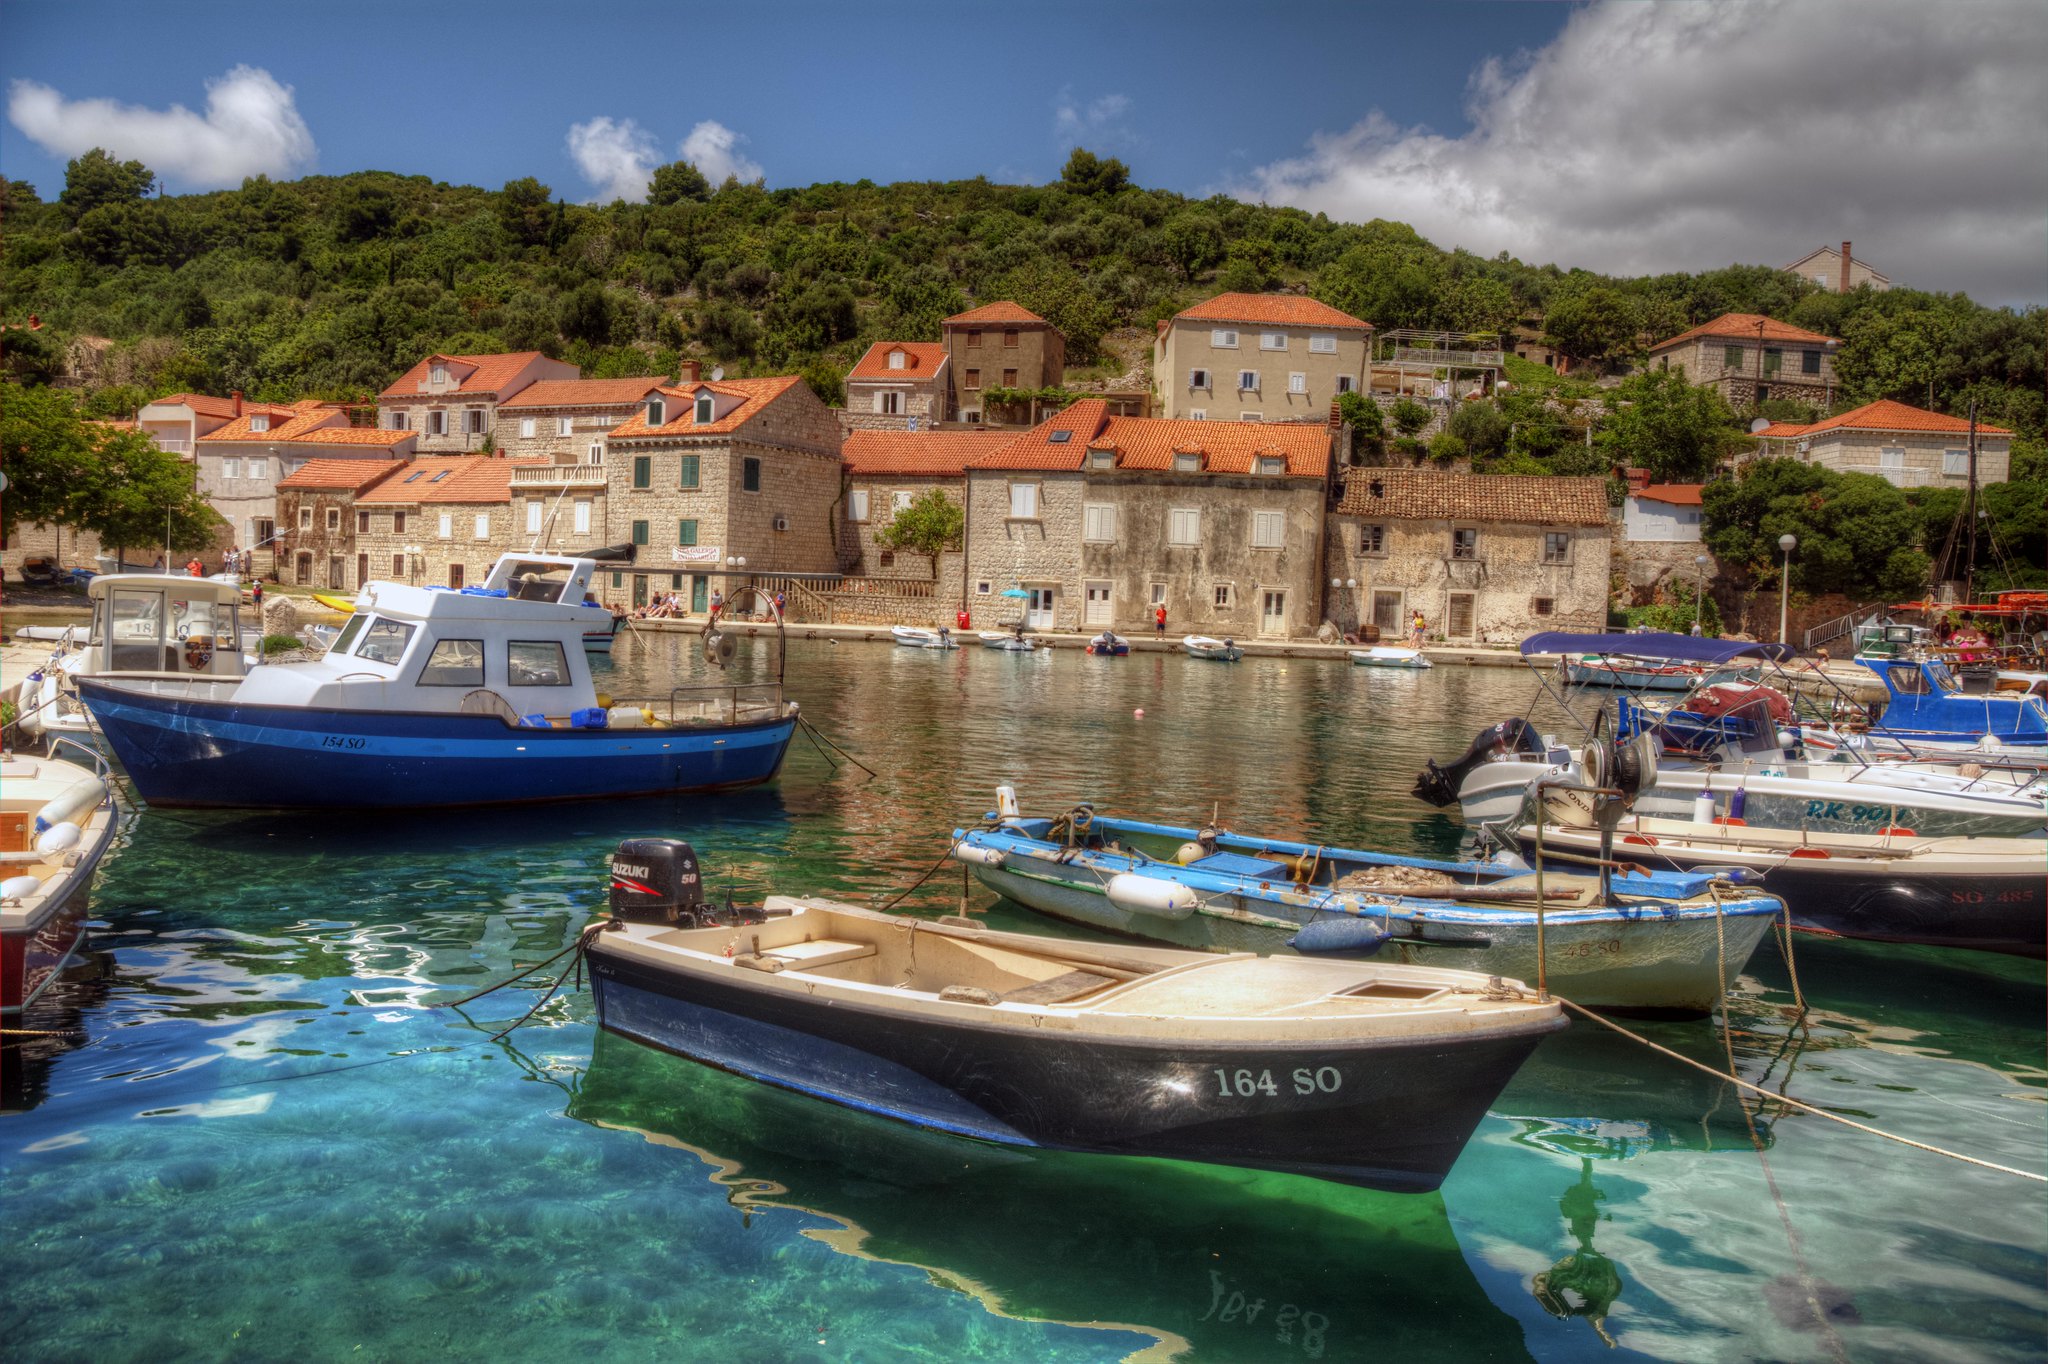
[267, 1148]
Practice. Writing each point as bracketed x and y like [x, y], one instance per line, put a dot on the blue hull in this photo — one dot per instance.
[208, 753]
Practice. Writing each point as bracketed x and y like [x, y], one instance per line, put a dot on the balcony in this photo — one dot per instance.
[174, 445]
[559, 476]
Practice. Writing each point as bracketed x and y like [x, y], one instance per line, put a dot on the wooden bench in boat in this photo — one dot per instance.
[820, 952]
[1059, 989]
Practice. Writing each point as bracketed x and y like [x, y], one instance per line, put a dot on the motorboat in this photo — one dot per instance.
[1657, 943]
[57, 819]
[1389, 656]
[1361, 1072]
[1108, 644]
[1204, 646]
[1925, 702]
[597, 639]
[434, 697]
[923, 637]
[1007, 641]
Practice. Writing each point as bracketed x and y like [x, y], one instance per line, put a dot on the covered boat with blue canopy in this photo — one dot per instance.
[1926, 702]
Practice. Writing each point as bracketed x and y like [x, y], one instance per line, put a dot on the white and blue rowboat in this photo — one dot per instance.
[1204, 646]
[1007, 641]
[923, 637]
[439, 698]
[1667, 944]
[1108, 644]
[1386, 656]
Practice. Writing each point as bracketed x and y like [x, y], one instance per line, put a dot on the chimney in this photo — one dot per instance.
[686, 372]
[1842, 280]
[237, 396]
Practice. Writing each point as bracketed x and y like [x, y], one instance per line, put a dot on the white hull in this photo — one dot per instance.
[1389, 658]
[915, 637]
[1004, 641]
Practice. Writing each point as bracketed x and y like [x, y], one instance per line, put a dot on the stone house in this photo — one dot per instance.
[888, 470]
[442, 521]
[318, 519]
[177, 422]
[242, 461]
[1659, 513]
[898, 386]
[1750, 359]
[1258, 357]
[1823, 267]
[1103, 518]
[451, 401]
[564, 421]
[1906, 446]
[717, 483]
[1484, 557]
[999, 345]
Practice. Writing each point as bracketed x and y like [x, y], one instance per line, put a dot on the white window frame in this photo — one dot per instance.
[857, 505]
[565, 426]
[1102, 459]
[400, 421]
[596, 453]
[437, 422]
[473, 421]
[533, 511]
[231, 468]
[1472, 531]
[1184, 526]
[1269, 530]
[1202, 379]
[1892, 459]
[1023, 502]
[1184, 463]
[1247, 381]
[1222, 338]
[258, 470]
[259, 421]
[895, 359]
[1271, 466]
[1564, 555]
[446, 526]
[1955, 464]
[1272, 340]
[1346, 384]
[1224, 595]
[899, 500]
[1322, 345]
[889, 402]
[334, 519]
[983, 587]
[1098, 523]
[583, 516]
[305, 518]
[1297, 383]
[483, 525]
[528, 426]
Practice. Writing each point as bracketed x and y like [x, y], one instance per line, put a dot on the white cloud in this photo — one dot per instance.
[714, 149]
[251, 127]
[1098, 121]
[1648, 138]
[619, 158]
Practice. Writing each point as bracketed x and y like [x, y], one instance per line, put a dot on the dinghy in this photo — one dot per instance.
[1361, 1072]
[1387, 656]
[1007, 641]
[1109, 644]
[1203, 646]
[56, 819]
[344, 605]
[921, 637]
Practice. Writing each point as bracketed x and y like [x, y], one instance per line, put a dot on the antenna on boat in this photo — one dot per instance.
[547, 535]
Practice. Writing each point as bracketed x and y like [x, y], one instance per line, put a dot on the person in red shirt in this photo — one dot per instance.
[1159, 619]
[196, 569]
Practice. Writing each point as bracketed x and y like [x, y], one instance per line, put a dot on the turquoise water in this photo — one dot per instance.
[266, 1146]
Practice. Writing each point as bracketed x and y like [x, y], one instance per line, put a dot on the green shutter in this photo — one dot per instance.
[1731, 357]
[643, 471]
[686, 532]
[687, 474]
[618, 579]
[639, 532]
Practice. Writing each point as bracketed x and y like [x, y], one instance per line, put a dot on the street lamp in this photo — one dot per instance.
[1699, 591]
[1787, 542]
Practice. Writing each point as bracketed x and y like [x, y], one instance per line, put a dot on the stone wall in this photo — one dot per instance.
[1507, 582]
[1038, 357]
[331, 554]
[1643, 569]
[924, 400]
[1922, 462]
[69, 547]
[1187, 347]
[587, 428]
[438, 555]
[1040, 551]
[859, 553]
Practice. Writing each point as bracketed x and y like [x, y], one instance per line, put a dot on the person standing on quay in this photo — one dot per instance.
[1159, 619]
[1415, 628]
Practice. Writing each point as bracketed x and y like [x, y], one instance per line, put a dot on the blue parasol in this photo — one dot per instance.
[1014, 592]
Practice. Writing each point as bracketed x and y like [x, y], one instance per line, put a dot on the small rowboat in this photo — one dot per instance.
[1630, 675]
[1354, 1071]
[345, 605]
[1108, 644]
[56, 819]
[1202, 646]
[920, 637]
[1386, 656]
[1007, 641]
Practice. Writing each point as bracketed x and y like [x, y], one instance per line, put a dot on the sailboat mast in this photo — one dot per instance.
[1970, 513]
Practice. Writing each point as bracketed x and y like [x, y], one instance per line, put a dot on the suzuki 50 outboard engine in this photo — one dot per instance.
[656, 881]
[1439, 785]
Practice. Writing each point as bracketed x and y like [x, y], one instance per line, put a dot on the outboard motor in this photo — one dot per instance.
[1439, 785]
[658, 881]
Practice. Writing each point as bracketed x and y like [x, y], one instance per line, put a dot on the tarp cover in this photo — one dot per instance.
[1682, 648]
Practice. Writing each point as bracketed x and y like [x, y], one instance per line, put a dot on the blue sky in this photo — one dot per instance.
[1648, 135]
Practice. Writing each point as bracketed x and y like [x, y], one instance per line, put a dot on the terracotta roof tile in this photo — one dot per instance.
[346, 475]
[921, 360]
[942, 454]
[584, 392]
[1427, 495]
[454, 478]
[1785, 430]
[488, 374]
[1672, 494]
[1003, 311]
[286, 423]
[204, 404]
[1886, 415]
[1043, 447]
[1276, 310]
[1743, 327]
[354, 435]
[1225, 447]
[755, 395]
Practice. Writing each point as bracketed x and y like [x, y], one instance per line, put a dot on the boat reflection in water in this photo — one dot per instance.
[50, 1027]
[1215, 1263]
[1584, 1283]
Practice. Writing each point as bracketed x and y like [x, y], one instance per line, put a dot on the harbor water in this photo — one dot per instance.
[247, 1136]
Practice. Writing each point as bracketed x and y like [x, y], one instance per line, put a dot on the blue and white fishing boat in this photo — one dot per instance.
[1926, 703]
[1666, 943]
[434, 698]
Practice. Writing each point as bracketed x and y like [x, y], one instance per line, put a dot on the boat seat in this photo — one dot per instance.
[1237, 864]
[1059, 989]
[809, 956]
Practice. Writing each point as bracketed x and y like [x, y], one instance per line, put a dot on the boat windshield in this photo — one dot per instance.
[1944, 680]
[384, 641]
[346, 640]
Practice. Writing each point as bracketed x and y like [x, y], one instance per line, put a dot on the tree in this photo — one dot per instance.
[676, 183]
[1086, 173]
[588, 314]
[1598, 324]
[1481, 427]
[65, 470]
[1660, 422]
[931, 523]
[1857, 534]
[1368, 424]
[524, 207]
[97, 178]
[1193, 241]
[1409, 416]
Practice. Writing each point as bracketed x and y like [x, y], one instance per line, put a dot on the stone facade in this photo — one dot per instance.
[1041, 552]
[67, 546]
[883, 495]
[1750, 359]
[1907, 446]
[451, 401]
[1822, 268]
[896, 384]
[1258, 357]
[1000, 345]
[318, 518]
[565, 421]
[448, 530]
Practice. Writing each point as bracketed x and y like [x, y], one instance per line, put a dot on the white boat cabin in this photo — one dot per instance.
[163, 625]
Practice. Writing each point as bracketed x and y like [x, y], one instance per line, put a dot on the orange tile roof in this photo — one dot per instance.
[585, 392]
[755, 395]
[451, 478]
[1003, 311]
[1743, 327]
[921, 360]
[1886, 415]
[354, 435]
[1785, 430]
[942, 454]
[1275, 310]
[345, 475]
[491, 372]
[286, 423]
[204, 404]
[1225, 447]
[1039, 448]
[1674, 494]
[1428, 495]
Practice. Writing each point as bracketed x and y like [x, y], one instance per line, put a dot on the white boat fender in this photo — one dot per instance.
[58, 838]
[1350, 936]
[976, 856]
[1007, 807]
[20, 887]
[1147, 895]
[74, 802]
[1703, 806]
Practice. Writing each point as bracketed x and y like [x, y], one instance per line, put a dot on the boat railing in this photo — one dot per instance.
[742, 703]
[95, 759]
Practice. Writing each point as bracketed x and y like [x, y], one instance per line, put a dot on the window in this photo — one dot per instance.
[1372, 539]
[1009, 378]
[1223, 340]
[362, 523]
[750, 475]
[1272, 466]
[1774, 360]
[1198, 414]
[1542, 606]
[1272, 340]
[1459, 625]
[1346, 384]
[688, 471]
[1464, 544]
[536, 663]
[305, 518]
[1159, 594]
[528, 425]
[983, 588]
[334, 518]
[1010, 338]
[231, 468]
[1102, 459]
[657, 412]
[686, 532]
[533, 516]
[447, 530]
[400, 421]
[889, 403]
[1731, 357]
[1247, 381]
[973, 336]
[1023, 501]
[398, 565]
[1322, 345]
[595, 454]
[1891, 459]
[437, 423]
[1185, 463]
[973, 382]
[563, 426]
[707, 409]
[398, 523]
[1184, 526]
[1557, 547]
[483, 526]
[583, 518]
[454, 663]
[439, 474]
[643, 471]
[259, 469]
[1809, 362]
[384, 641]
[857, 505]
[640, 532]
[1198, 378]
[439, 374]
[895, 359]
[473, 421]
[899, 500]
[1223, 596]
[1268, 529]
[1098, 523]
[1297, 383]
[1058, 437]
[259, 421]
[1955, 463]
[1251, 416]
